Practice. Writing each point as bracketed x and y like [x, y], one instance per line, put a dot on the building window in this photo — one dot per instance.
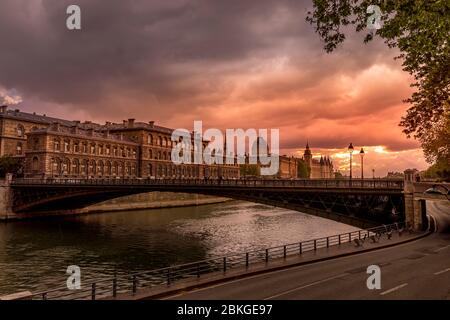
[150, 154]
[108, 150]
[19, 148]
[76, 147]
[150, 169]
[20, 130]
[100, 149]
[35, 164]
[66, 146]
[92, 148]
[56, 144]
[150, 139]
[160, 141]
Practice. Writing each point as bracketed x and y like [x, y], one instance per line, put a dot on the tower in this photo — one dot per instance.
[307, 155]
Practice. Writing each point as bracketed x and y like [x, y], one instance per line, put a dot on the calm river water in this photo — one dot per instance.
[34, 255]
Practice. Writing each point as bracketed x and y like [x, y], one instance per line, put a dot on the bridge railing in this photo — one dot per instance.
[165, 277]
[252, 183]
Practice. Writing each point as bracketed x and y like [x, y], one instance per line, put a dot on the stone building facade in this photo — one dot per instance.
[54, 147]
[318, 168]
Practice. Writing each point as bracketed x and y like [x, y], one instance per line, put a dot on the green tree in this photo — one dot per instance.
[439, 171]
[420, 30]
[10, 164]
[302, 169]
[249, 170]
[338, 175]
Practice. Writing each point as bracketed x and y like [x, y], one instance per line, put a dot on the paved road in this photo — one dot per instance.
[415, 270]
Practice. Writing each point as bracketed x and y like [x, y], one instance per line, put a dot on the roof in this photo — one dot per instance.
[33, 117]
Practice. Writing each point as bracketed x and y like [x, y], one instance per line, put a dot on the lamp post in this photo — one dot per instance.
[373, 173]
[361, 153]
[350, 150]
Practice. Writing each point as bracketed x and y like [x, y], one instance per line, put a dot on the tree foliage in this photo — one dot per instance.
[303, 170]
[420, 29]
[10, 164]
[249, 170]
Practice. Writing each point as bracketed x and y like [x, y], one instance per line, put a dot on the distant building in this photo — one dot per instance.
[318, 168]
[60, 148]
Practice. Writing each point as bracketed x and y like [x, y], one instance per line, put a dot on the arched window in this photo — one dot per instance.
[66, 166]
[108, 168]
[150, 139]
[160, 141]
[101, 168]
[76, 166]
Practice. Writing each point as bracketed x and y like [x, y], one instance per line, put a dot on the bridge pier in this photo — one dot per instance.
[6, 198]
[415, 209]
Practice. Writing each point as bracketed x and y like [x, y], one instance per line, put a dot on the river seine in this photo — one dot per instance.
[34, 255]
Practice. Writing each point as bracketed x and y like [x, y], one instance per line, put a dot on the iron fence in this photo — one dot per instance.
[252, 183]
[165, 277]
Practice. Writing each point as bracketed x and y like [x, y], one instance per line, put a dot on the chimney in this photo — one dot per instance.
[124, 123]
[130, 123]
[151, 123]
[3, 109]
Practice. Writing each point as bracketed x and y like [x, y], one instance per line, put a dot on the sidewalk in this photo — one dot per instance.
[321, 254]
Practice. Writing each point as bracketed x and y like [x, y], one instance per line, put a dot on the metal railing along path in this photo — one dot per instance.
[393, 184]
[165, 277]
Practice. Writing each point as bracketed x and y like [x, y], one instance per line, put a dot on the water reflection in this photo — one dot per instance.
[34, 255]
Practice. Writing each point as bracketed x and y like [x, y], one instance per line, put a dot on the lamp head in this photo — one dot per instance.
[350, 148]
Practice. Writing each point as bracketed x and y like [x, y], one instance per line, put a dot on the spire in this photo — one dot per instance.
[307, 150]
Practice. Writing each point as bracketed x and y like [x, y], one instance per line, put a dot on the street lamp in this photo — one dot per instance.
[350, 150]
[361, 153]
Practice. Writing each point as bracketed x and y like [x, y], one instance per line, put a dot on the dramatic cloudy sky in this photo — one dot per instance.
[230, 63]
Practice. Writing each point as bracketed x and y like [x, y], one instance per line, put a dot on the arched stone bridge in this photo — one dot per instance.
[358, 202]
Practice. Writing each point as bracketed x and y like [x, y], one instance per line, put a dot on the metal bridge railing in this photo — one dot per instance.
[165, 277]
[251, 183]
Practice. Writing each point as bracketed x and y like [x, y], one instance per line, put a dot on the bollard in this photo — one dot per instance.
[246, 260]
[115, 286]
[93, 292]
[224, 264]
[134, 284]
[198, 270]
[315, 245]
[328, 242]
[284, 252]
[300, 248]
[267, 255]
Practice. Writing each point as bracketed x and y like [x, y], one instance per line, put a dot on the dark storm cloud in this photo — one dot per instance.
[231, 63]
